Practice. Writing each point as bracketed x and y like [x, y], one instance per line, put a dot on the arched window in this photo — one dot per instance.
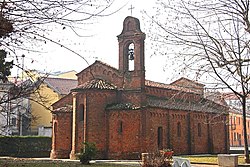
[81, 112]
[179, 129]
[131, 58]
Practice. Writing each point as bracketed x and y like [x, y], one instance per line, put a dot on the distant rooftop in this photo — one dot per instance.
[61, 85]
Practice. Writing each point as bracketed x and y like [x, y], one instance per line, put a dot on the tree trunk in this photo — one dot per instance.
[246, 151]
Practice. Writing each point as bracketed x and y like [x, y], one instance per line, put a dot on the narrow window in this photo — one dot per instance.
[159, 138]
[54, 134]
[120, 128]
[13, 121]
[81, 112]
[131, 58]
[232, 138]
[239, 120]
[179, 129]
[199, 129]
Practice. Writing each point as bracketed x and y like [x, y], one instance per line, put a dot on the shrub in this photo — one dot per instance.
[88, 152]
[157, 159]
[25, 146]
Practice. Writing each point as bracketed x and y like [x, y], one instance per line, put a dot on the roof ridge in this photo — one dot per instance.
[98, 61]
[61, 78]
[106, 64]
[150, 83]
[96, 83]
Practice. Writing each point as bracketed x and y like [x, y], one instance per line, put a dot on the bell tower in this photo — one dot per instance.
[131, 54]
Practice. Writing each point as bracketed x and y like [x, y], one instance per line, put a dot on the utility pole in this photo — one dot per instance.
[20, 112]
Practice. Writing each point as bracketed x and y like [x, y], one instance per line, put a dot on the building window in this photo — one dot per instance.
[160, 138]
[81, 112]
[13, 121]
[179, 129]
[239, 120]
[235, 136]
[199, 129]
[248, 107]
[120, 127]
[54, 138]
[131, 58]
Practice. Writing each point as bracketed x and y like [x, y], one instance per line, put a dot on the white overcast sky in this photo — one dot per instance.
[103, 45]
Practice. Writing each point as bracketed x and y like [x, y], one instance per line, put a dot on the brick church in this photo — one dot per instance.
[125, 115]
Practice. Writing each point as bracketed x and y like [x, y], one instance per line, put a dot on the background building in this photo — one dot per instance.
[50, 90]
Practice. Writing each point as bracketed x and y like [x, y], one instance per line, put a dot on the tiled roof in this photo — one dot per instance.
[187, 80]
[96, 84]
[68, 108]
[122, 106]
[166, 86]
[231, 96]
[61, 85]
[203, 106]
[216, 97]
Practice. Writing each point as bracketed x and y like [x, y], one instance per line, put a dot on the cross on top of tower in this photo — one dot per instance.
[131, 9]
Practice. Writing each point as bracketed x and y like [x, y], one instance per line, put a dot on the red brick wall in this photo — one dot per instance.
[100, 70]
[63, 101]
[179, 143]
[189, 142]
[96, 130]
[140, 127]
[199, 142]
[136, 97]
[125, 143]
[61, 139]
[220, 133]
[156, 117]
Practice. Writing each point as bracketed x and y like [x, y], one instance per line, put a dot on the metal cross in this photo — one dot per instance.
[131, 8]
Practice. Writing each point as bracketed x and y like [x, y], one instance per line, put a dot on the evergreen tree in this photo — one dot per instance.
[5, 66]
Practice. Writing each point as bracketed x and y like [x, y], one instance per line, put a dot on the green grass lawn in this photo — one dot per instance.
[28, 163]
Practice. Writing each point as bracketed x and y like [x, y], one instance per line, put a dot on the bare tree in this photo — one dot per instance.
[15, 112]
[26, 23]
[211, 40]
[26, 26]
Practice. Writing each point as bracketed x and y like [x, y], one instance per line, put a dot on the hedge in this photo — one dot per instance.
[25, 146]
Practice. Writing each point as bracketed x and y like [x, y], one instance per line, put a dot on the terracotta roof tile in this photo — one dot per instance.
[96, 84]
[187, 80]
[122, 106]
[67, 109]
[167, 86]
[204, 106]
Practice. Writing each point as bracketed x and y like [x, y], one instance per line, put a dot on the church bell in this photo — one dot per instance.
[131, 54]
